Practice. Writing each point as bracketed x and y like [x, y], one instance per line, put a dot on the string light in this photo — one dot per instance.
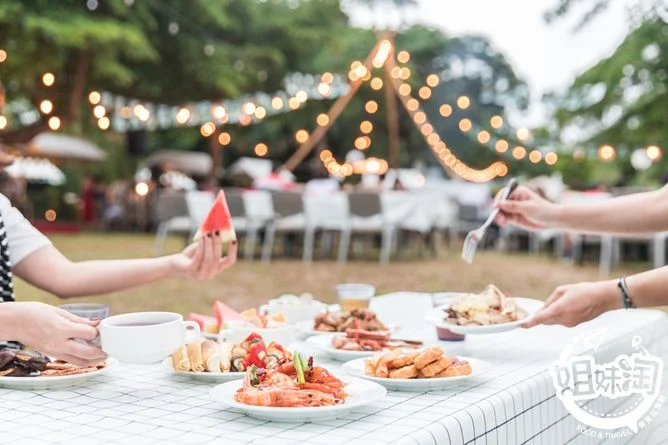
[261, 149]
[653, 152]
[301, 136]
[327, 77]
[405, 73]
[207, 129]
[395, 72]
[420, 118]
[403, 57]
[301, 96]
[322, 119]
[535, 156]
[425, 93]
[496, 122]
[523, 134]
[3, 55]
[433, 139]
[362, 142]
[501, 146]
[324, 89]
[104, 123]
[48, 79]
[376, 83]
[224, 138]
[277, 103]
[445, 110]
[412, 104]
[325, 155]
[94, 97]
[383, 52]
[426, 129]
[54, 123]
[46, 106]
[3, 122]
[294, 103]
[463, 102]
[405, 89]
[433, 80]
[465, 125]
[219, 112]
[366, 127]
[260, 113]
[606, 152]
[551, 158]
[371, 106]
[249, 108]
[99, 111]
[183, 115]
[483, 137]
[519, 152]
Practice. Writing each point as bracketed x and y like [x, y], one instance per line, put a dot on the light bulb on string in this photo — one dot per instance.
[249, 108]
[324, 89]
[425, 93]
[219, 112]
[376, 83]
[277, 103]
[420, 118]
[395, 72]
[653, 152]
[301, 136]
[535, 156]
[523, 134]
[3, 55]
[94, 97]
[606, 152]
[3, 122]
[412, 104]
[327, 77]
[260, 113]
[405, 73]
[183, 115]
[433, 80]
[261, 149]
[465, 125]
[54, 123]
[551, 158]
[403, 56]
[501, 146]
[496, 122]
[207, 129]
[366, 127]
[48, 79]
[519, 152]
[104, 123]
[322, 119]
[224, 138]
[46, 106]
[99, 111]
[463, 102]
[445, 110]
[371, 106]
[483, 137]
[404, 89]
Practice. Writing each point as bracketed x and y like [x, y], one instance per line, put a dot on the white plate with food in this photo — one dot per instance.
[489, 312]
[205, 376]
[297, 391]
[401, 372]
[73, 376]
[349, 346]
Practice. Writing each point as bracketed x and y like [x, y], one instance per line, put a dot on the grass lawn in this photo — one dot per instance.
[251, 284]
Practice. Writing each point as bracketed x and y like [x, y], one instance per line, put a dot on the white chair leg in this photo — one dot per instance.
[268, 247]
[326, 243]
[344, 246]
[659, 247]
[309, 239]
[249, 248]
[605, 260]
[160, 236]
[576, 247]
[386, 246]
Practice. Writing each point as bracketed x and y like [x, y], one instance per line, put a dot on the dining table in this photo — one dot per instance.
[511, 401]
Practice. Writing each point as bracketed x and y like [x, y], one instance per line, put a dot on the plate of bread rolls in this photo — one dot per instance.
[220, 362]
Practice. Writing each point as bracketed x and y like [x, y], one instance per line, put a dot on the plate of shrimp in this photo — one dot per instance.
[426, 369]
[296, 391]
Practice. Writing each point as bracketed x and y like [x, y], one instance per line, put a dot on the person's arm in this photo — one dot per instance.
[573, 304]
[638, 213]
[50, 270]
[51, 331]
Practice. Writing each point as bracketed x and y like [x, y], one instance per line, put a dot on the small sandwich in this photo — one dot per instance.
[225, 356]
[180, 360]
[211, 356]
[195, 357]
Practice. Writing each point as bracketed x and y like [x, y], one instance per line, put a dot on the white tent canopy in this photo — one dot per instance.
[188, 162]
[55, 145]
[36, 170]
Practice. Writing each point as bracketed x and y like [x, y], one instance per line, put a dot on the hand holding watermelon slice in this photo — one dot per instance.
[202, 259]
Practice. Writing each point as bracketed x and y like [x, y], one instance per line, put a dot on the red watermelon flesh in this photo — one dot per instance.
[224, 313]
[218, 218]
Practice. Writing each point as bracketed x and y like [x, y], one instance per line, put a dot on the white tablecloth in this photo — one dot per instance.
[512, 402]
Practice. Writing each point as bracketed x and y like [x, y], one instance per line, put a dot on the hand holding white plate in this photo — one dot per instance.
[438, 317]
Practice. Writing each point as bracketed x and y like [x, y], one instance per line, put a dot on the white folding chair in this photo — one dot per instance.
[327, 212]
[171, 215]
[289, 219]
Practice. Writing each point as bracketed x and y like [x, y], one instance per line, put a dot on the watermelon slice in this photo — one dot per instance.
[218, 218]
[224, 313]
[205, 322]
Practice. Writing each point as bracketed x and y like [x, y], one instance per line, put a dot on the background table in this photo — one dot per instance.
[512, 402]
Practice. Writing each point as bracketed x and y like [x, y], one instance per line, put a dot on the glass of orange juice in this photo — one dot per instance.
[354, 296]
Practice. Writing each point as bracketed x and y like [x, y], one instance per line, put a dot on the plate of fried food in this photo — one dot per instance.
[409, 370]
[331, 322]
[358, 343]
[31, 370]
[220, 362]
[488, 312]
[296, 391]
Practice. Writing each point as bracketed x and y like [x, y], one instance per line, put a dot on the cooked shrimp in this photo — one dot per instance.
[283, 397]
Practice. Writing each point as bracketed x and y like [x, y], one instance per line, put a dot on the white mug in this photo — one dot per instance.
[145, 337]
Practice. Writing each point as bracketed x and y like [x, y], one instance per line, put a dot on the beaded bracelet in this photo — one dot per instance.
[626, 298]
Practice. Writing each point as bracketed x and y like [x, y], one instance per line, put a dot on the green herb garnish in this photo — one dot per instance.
[299, 367]
[255, 380]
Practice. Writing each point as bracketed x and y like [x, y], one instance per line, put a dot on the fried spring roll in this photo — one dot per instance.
[195, 357]
[211, 356]
[180, 360]
[225, 356]
[238, 358]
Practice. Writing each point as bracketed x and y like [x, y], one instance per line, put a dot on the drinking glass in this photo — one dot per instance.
[354, 296]
[91, 311]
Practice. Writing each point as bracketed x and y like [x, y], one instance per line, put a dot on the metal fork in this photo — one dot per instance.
[475, 236]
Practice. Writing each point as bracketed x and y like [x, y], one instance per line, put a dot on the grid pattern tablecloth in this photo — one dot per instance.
[513, 402]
